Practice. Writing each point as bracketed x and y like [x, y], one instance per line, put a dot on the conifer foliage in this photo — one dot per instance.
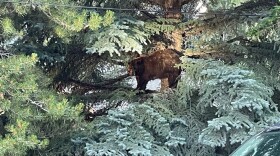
[242, 104]
[227, 92]
[34, 113]
[142, 130]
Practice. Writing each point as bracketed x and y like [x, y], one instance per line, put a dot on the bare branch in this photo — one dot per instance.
[101, 84]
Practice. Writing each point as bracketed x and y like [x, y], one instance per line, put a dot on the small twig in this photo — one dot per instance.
[2, 112]
[2, 55]
[38, 104]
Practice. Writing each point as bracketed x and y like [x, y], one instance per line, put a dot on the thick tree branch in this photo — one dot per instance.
[101, 84]
[169, 3]
[104, 111]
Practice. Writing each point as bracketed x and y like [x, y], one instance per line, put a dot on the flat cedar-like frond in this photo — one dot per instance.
[239, 99]
[122, 36]
[141, 129]
[122, 133]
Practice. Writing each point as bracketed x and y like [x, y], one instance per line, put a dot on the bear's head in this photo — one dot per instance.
[136, 67]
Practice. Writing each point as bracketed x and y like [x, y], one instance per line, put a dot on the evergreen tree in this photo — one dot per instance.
[37, 117]
[228, 94]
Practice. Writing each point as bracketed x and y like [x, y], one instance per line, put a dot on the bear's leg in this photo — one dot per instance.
[173, 80]
[164, 84]
[141, 84]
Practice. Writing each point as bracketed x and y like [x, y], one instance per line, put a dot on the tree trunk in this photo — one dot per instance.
[177, 40]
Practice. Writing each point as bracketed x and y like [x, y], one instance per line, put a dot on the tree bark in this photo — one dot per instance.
[177, 40]
[172, 8]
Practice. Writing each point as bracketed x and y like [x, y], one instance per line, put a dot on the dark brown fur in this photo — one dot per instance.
[159, 65]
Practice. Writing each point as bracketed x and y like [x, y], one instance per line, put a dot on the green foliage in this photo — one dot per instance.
[125, 35]
[231, 99]
[225, 4]
[126, 132]
[265, 68]
[67, 26]
[34, 113]
[56, 28]
[141, 129]
[18, 142]
[21, 9]
[109, 18]
[48, 29]
[94, 21]
[267, 29]
[7, 29]
[137, 130]
[187, 122]
[243, 105]
[161, 25]
[7, 26]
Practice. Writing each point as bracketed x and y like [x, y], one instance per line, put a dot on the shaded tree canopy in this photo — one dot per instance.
[65, 61]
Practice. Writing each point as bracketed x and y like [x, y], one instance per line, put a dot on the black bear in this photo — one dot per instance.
[159, 65]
